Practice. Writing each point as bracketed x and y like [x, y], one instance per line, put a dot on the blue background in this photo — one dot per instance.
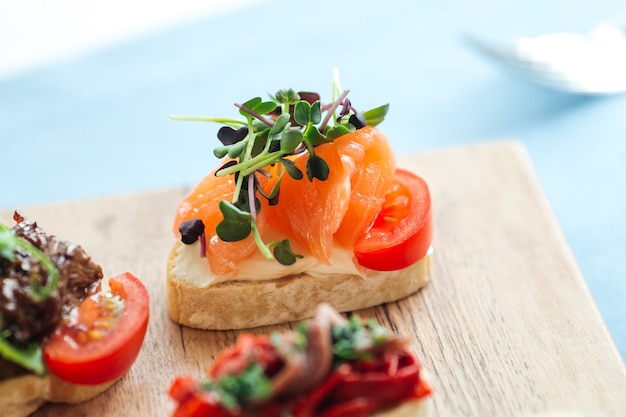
[98, 124]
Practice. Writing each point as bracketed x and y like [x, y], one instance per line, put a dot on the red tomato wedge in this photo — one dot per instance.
[403, 229]
[103, 337]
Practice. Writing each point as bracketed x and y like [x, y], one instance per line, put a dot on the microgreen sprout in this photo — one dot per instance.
[269, 135]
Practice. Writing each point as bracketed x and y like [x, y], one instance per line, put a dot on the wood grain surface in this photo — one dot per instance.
[507, 327]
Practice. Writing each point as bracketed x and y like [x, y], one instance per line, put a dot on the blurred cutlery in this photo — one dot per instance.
[593, 63]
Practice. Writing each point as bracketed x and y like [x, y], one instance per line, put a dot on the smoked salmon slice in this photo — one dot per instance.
[202, 202]
[311, 211]
[343, 207]
[316, 214]
[370, 162]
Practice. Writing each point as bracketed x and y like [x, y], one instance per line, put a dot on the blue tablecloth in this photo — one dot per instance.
[98, 124]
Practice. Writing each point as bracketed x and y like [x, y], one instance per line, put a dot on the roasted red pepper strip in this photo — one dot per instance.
[183, 388]
[307, 406]
[352, 390]
[386, 385]
[248, 349]
[357, 407]
[379, 379]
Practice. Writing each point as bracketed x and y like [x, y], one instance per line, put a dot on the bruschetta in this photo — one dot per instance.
[63, 338]
[307, 206]
[328, 366]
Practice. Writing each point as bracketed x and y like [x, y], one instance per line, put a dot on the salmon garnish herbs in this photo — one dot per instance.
[259, 148]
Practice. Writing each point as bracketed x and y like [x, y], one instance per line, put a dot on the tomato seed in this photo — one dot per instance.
[94, 334]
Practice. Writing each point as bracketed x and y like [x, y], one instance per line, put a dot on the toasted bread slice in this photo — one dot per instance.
[247, 304]
[22, 395]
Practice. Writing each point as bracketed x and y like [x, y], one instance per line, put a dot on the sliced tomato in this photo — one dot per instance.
[103, 336]
[403, 229]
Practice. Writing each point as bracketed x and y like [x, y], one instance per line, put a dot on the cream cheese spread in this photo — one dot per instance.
[192, 268]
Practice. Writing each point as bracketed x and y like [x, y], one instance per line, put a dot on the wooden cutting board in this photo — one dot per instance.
[507, 326]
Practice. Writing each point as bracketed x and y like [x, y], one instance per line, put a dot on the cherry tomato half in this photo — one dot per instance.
[103, 336]
[403, 230]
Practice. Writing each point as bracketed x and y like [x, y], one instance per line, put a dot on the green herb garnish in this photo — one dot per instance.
[354, 339]
[9, 243]
[27, 356]
[243, 388]
[269, 132]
